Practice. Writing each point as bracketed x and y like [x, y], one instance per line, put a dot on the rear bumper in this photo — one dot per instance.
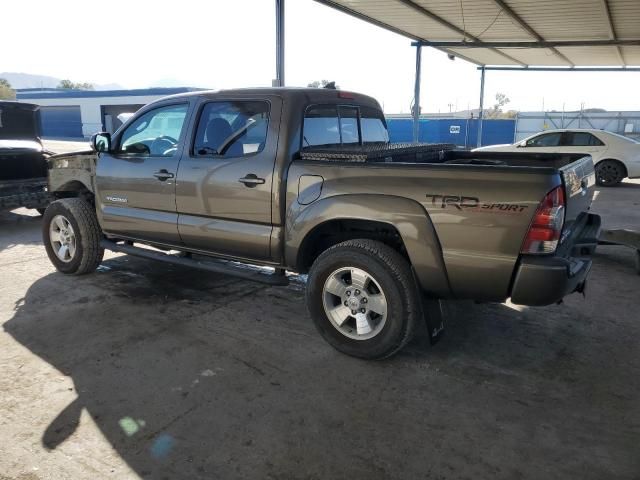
[545, 280]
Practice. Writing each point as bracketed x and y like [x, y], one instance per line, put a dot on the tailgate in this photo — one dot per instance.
[579, 180]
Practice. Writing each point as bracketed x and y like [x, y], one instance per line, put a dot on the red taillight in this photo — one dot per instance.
[348, 95]
[546, 226]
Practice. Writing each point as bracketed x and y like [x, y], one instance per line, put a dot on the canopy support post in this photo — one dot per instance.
[481, 110]
[279, 80]
[416, 95]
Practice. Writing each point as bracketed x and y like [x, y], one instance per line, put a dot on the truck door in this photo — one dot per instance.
[223, 194]
[135, 183]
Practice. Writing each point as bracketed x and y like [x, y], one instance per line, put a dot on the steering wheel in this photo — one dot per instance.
[163, 143]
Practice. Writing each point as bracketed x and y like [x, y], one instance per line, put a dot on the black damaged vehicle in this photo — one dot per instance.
[23, 159]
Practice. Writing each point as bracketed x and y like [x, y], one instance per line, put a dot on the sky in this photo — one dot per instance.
[231, 43]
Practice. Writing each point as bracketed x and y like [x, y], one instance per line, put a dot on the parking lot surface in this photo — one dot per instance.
[154, 371]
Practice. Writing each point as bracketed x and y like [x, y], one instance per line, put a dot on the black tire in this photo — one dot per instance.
[395, 278]
[610, 173]
[82, 218]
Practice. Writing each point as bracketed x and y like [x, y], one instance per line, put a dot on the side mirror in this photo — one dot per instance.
[101, 142]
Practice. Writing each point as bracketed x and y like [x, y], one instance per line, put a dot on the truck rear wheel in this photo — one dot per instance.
[363, 299]
[71, 236]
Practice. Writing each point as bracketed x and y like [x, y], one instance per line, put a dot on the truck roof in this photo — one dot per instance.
[309, 94]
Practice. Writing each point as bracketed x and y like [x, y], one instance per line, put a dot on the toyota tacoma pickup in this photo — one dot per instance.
[260, 182]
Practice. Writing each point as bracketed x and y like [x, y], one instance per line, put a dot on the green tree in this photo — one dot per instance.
[6, 92]
[68, 84]
[496, 110]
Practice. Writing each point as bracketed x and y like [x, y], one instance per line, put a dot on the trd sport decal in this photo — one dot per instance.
[473, 203]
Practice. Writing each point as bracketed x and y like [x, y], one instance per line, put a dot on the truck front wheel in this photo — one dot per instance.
[363, 299]
[71, 236]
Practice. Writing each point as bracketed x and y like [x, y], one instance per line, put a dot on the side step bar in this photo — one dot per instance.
[215, 266]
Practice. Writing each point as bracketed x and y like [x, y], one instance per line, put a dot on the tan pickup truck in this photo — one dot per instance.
[305, 180]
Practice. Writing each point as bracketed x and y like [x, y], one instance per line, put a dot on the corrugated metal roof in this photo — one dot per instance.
[492, 22]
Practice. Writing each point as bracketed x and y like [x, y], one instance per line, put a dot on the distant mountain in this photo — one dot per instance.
[109, 86]
[28, 80]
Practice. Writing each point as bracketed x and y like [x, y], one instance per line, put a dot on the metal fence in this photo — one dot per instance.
[462, 132]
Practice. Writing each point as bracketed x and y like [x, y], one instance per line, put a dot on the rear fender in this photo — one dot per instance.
[408, 217]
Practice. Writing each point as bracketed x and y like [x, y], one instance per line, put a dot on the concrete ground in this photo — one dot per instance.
[145, 370]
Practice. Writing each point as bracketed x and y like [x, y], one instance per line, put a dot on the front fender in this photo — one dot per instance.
[71, 172]
[408, 217]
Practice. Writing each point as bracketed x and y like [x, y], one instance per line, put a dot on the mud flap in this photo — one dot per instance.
[434, 313]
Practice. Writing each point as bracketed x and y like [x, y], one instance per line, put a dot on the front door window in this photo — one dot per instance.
[156, 133]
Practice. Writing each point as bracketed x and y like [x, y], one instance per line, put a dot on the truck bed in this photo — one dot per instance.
[433, 153]
[480, 204]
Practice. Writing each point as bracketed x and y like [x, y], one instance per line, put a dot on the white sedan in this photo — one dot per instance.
[615, 157]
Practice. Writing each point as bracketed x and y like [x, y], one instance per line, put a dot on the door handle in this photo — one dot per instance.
[251, 180]
[163, 175]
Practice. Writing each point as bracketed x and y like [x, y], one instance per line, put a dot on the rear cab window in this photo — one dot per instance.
[343, 125]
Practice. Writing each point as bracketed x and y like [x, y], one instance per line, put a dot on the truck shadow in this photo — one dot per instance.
[19, 227]
[194, 375]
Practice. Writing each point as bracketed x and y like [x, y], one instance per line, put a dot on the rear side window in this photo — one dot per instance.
[232, 128]
[582, 139]
[343, 125]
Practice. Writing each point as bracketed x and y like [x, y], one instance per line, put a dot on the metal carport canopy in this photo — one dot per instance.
[521, 33]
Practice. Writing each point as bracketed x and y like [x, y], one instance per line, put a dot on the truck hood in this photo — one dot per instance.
[13, 146]
[58, 156]
[19, 121]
